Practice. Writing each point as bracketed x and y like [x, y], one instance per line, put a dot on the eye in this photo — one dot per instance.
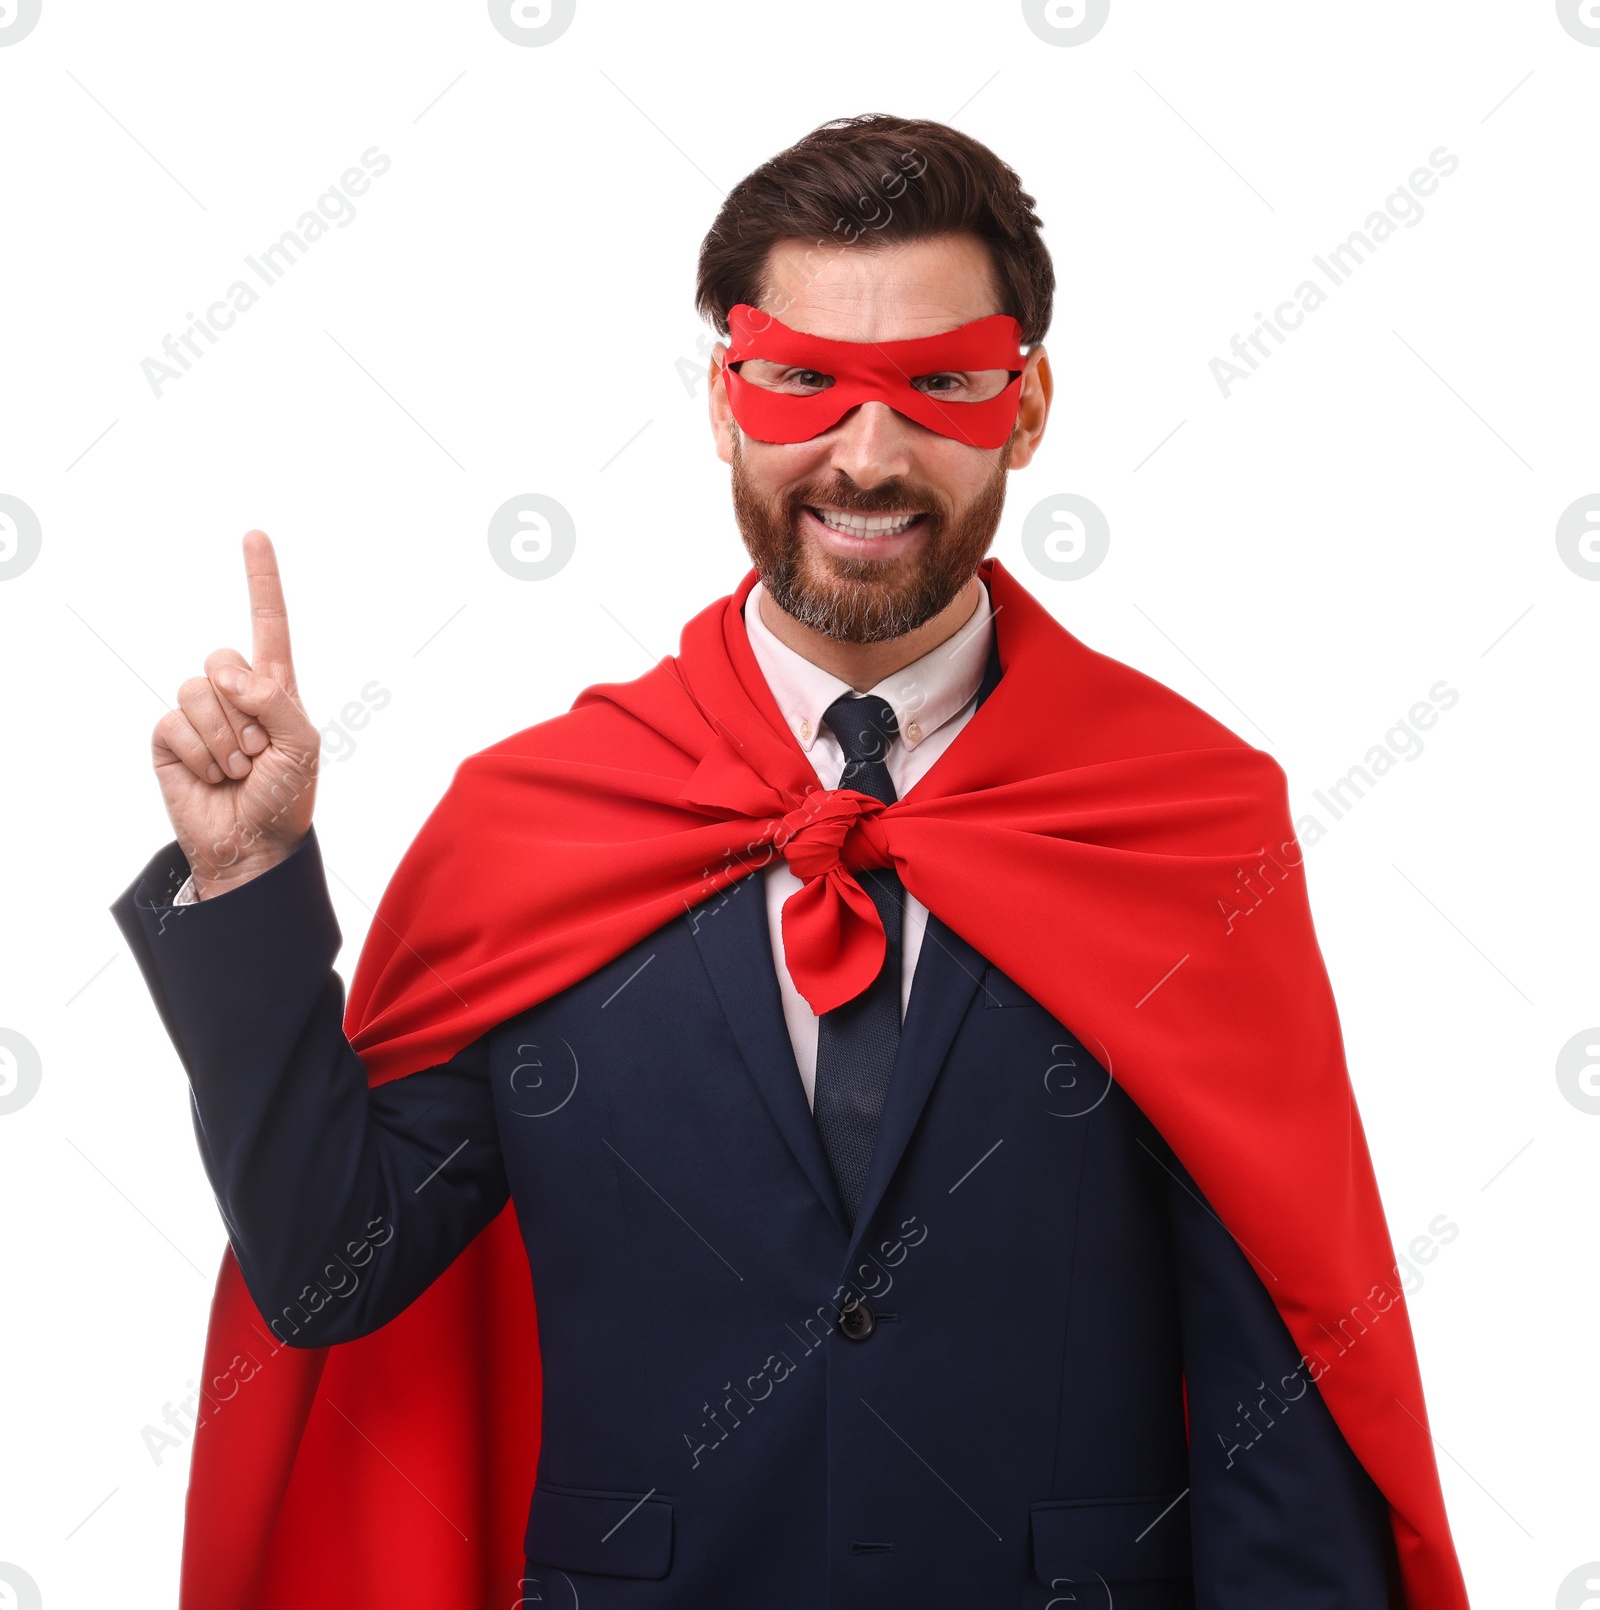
[970, 385]
[790, 379]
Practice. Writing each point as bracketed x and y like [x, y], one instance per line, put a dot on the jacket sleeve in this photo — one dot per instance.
[342, 1203]
[1282, 1514]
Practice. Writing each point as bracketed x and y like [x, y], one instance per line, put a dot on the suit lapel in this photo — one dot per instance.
[736, 947]
[948, 976]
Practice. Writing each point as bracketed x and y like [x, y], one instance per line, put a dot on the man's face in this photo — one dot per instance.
[871, 528]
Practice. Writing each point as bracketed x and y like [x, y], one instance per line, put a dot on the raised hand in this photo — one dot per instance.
[237, 760]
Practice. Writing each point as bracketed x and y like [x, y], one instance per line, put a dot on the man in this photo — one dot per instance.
[967, 1210]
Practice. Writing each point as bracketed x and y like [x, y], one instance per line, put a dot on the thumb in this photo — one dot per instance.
[266, 699]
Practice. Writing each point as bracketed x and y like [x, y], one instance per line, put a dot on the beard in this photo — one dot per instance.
[866, 600]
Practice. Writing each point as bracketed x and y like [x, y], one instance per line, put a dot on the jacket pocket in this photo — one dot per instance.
[1112, 1539]
[605, 1533]
[1000, 991]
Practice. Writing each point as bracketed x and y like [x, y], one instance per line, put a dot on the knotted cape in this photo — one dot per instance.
[1124, 857]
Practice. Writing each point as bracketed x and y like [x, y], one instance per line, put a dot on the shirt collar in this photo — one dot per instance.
[923, 695]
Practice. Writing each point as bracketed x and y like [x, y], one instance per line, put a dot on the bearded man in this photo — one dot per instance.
[891, 1034]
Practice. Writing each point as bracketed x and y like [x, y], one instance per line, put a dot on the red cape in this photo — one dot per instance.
[397, 1468]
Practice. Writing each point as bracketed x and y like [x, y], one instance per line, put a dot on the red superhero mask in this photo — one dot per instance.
[875, 371]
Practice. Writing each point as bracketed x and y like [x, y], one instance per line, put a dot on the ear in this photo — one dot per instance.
[1037, 389]
[723, 424]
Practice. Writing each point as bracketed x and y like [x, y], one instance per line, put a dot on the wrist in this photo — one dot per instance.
[214, 881]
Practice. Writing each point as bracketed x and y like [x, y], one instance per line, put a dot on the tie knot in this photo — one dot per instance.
[865, 728]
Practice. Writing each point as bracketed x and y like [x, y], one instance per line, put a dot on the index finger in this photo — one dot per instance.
[269, 620]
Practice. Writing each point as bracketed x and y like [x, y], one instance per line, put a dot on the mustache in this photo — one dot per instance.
[889, 497]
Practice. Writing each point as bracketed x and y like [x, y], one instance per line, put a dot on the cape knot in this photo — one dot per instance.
[816, 834]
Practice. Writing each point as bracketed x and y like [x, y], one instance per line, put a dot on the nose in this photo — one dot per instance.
[872, 444]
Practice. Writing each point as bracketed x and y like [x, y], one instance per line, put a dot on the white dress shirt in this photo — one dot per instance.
[932, 698]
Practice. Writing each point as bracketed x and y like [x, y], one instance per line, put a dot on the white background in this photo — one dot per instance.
[1371, 512]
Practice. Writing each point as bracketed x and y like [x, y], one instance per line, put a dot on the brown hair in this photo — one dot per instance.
[877, 178]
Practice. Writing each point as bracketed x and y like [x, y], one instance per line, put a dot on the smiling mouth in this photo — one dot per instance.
[864, 526]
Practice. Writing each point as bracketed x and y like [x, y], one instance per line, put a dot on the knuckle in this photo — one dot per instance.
[197, 687]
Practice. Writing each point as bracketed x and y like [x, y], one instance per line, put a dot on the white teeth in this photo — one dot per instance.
[871, 525]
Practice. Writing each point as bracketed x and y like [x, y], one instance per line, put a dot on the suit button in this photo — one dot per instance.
[856, 1322]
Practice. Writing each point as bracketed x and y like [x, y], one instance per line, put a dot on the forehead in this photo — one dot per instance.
[888, 291]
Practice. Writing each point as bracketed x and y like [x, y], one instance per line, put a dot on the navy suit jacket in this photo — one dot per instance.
[1075, 1389]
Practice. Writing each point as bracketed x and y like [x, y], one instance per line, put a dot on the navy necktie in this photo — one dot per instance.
[857, 1042]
